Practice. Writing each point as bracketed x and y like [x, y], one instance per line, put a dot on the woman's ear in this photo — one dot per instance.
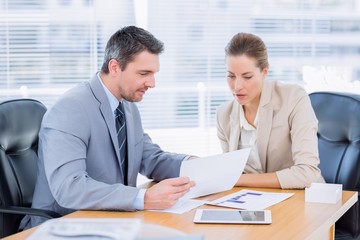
[265, 72]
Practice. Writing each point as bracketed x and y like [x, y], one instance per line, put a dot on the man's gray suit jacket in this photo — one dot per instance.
[79, 162]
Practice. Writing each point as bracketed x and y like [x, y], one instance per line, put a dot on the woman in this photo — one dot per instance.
[276, 120]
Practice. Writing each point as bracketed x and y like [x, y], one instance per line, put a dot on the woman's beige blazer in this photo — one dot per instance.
[286, 133]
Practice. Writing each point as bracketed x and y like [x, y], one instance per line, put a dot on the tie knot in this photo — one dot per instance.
[120, 109]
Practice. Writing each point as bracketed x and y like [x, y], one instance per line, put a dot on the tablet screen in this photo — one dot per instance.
[232, 216]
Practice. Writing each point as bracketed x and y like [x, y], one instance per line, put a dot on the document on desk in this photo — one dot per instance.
[250, 200]
[215, 173]
[182, 206]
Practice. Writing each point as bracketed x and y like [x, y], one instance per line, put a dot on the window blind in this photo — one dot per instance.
[48, 46]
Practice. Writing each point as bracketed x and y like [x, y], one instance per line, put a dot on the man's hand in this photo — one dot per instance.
[166, 193]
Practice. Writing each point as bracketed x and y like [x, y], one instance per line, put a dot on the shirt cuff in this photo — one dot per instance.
[139, 200]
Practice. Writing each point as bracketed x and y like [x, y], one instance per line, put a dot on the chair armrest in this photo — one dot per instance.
[29, 211]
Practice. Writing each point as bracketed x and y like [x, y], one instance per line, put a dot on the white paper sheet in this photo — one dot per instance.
[250, 200]
[214, 173]
[182, 206]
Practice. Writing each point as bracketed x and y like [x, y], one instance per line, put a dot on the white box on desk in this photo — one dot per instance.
[323, 193]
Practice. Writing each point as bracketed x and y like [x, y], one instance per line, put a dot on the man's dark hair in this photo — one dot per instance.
[126, 43]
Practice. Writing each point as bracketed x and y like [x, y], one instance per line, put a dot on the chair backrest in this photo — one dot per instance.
[20, 122]
[339, 148]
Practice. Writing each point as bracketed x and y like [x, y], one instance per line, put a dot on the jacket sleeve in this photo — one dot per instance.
[154, 162]
[304, 144]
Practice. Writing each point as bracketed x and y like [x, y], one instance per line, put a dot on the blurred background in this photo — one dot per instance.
[48, 46]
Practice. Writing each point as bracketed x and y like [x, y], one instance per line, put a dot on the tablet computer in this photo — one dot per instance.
[232, 216]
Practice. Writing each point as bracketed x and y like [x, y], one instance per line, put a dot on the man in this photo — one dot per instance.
[91, 148]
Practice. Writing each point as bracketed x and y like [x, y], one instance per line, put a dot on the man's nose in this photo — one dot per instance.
[151, 82]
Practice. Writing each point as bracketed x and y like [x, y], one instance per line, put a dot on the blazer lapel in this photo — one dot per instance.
[235, 127]
[130, 142]
[265, 122]
[105, 111]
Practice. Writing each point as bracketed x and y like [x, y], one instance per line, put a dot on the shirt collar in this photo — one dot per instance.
[114, 103]
[244, 123]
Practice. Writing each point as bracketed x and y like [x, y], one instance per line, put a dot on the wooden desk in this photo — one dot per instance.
[292, 219]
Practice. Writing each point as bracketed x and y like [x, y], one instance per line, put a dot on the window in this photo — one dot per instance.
[48, 46]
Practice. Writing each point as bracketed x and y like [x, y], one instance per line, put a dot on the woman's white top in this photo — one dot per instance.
[248, 138]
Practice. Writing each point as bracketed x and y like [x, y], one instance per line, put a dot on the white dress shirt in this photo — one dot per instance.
[248, 139]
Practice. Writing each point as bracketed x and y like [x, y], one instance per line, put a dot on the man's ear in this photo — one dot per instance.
[113, 66]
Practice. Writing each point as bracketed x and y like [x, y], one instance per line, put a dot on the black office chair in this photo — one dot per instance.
[339, 149]
[20, 122]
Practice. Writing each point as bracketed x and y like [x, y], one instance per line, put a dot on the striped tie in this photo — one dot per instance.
[121, 134]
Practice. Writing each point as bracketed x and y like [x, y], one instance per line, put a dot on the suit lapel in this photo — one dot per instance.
[130, 140]
[235, 127]
[105, 110]
[265, 122]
